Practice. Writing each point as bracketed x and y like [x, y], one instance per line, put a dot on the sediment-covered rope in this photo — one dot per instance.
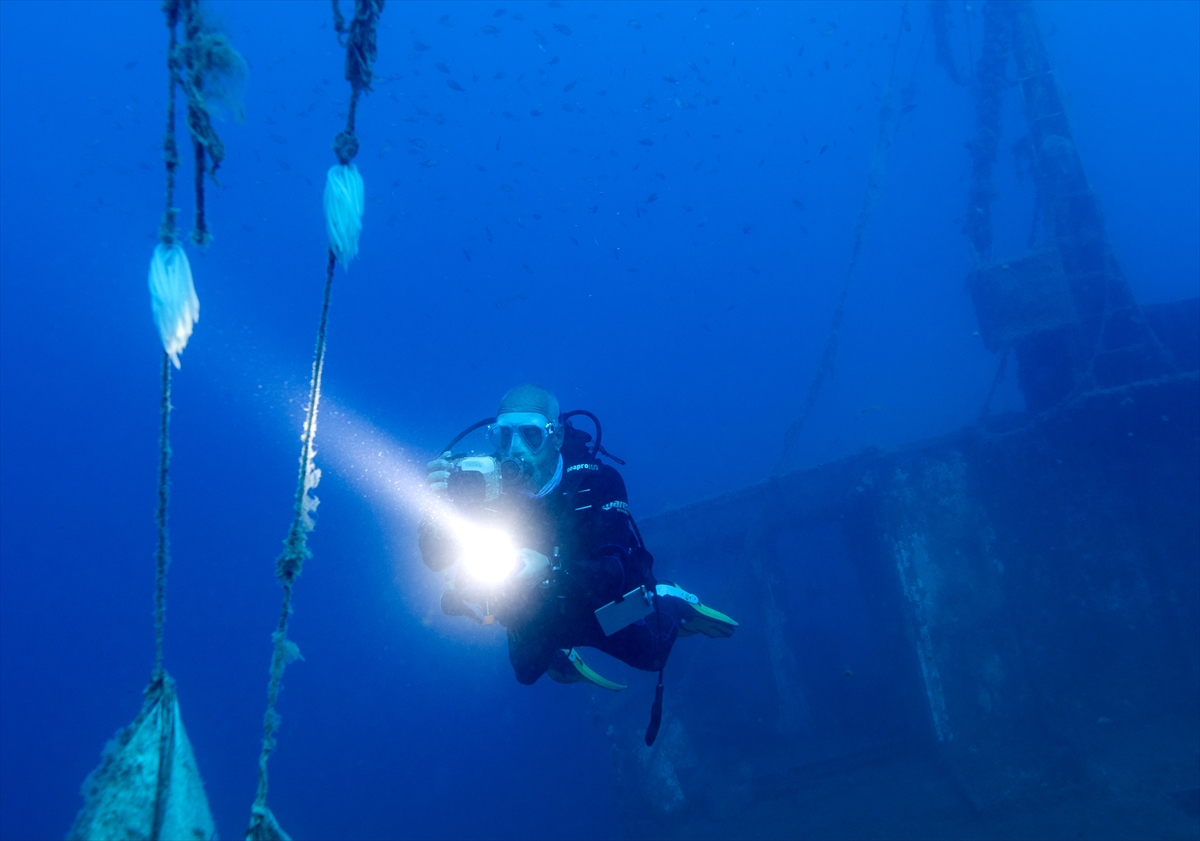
[343, 207]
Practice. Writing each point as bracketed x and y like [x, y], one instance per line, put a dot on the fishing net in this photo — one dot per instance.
[147, 785]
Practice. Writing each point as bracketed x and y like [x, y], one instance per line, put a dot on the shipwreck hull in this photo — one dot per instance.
[1014, 607]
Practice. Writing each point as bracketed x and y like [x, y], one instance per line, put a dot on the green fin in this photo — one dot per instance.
[705, 620]
[574, 670]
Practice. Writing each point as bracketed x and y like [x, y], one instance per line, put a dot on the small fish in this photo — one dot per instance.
[418, 142]
[572, 239]
[747, 228]
[633, 24]
[646, 141]
[617, 253]
[871, 409]
[444, 20]
[498, 13]
[518, 16]
[488, 231]
[567, 87]
[526, 267]
[594, 209]
[454, 86]
[498, 76]
[279, 139]
[670, 80]
[687, 208]
[533, 112]
[481, 167]
[661, 176]
[441, 66]
[488, 29]
[563, 28]
[467, 254]
[798, 204]
[419, 47]
[566, 106]
[498, 139]
[386, 148]
[421, 112]
[541, 39]
[509, 115]
[694, 68]
[653, 197]
[129, 65]
[823, 148]
[506, 188]
[429, 164]
[756, 271]
[553, 61]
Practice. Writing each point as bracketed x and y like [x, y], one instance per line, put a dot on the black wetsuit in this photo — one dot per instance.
[583, 526]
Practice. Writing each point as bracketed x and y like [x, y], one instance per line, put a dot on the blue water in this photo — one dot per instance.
[510, 235]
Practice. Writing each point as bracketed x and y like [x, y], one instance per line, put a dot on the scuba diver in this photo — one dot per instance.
[538, 536]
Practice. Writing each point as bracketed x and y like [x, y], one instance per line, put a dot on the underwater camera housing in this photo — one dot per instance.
[479, 479]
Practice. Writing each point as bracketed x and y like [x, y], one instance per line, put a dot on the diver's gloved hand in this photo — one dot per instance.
[537, 566]
[437, 472]
[453, 605]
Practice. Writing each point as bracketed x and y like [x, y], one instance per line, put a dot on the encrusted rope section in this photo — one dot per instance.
[359, 40]
[883, 143]
[162, 555]
[166, 230]
[196, 64]
[296, 551]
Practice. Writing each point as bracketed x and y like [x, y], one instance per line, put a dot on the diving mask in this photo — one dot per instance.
[533, 436]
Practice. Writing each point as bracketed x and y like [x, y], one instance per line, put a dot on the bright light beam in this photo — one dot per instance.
[388, 475]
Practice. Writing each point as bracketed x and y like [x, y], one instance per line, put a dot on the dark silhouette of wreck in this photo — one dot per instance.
[994, 633]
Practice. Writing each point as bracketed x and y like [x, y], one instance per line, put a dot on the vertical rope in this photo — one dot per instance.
[291, 562]
[360, 53]
[883, 142]
[162, 555]
[166, 230]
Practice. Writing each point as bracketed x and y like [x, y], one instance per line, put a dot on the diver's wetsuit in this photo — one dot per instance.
[583, 527]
